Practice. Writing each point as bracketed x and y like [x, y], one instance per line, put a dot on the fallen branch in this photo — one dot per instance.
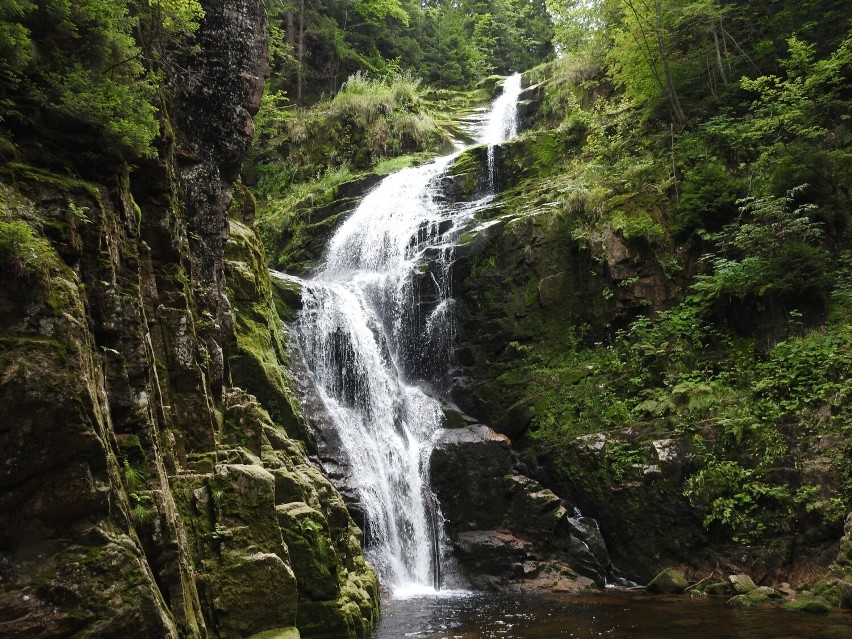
[698, 583]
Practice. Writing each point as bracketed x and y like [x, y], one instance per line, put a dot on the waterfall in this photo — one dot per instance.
[501, 123]
[375, 329]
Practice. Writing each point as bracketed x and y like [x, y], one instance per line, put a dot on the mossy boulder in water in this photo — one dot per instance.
[761, 595]
[809, 603]
[669, 581]
[742, 584]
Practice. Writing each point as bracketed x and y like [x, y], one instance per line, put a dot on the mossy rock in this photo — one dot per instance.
[312, 551]
[830, 589]
[242, 582]
[278, 633]
[717, 588]
[742, 584]
[755, 597]
[244, 503]
[813, 604]
[669, 581]
[493, 84]
[331, 620]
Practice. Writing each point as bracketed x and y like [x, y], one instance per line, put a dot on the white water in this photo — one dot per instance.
[373, 331]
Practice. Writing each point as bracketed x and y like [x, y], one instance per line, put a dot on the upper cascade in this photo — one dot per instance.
[501, 123]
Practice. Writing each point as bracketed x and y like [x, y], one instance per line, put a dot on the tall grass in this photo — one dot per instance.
[369, 120]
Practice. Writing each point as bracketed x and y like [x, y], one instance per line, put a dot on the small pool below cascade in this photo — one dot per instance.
[617, 614]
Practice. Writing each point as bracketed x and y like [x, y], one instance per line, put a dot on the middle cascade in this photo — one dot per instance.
[370, 348]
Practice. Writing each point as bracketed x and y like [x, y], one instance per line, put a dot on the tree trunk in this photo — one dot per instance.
[291, 29]
[674, 101]
[301, 55]
[719, 58]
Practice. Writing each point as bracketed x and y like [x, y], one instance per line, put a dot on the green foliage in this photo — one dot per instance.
[177, 16]
[446, 44]
[141, 501]
[88, 71]
[86, 67]
[739, 499]
[708, 199]
[24, 252]
[369, 119]
[770, 256]
[639, 226]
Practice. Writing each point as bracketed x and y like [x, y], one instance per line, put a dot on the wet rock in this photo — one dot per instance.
[470, 469]
[247, 580]
[812, 604]
[742, 584]
[482, 499]
[755, 597]
[846, 595]
[786, 590]
[669, 581]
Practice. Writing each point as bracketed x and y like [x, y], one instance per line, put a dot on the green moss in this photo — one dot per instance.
[64, 184]
[277, 633]
[24, 252]
[812, 604]
[639, 226]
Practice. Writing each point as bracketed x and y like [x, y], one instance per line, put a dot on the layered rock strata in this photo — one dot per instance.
[145, 490]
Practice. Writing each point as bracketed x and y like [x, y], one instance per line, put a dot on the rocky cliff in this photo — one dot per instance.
[155, 478]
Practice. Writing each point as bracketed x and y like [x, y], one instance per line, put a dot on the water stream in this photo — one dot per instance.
[376, 332]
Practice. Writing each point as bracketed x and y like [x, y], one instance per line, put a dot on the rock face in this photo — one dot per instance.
[505, 528]
[145, 491]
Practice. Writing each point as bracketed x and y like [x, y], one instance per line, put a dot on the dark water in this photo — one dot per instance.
[615, 615]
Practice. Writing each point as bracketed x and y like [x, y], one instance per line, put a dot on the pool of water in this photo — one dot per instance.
[619, 615]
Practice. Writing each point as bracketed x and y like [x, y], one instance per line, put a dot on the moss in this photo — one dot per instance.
[811, 604]
[277, 633]
[492, 84]
[668, 581]
[25, 253]
[638, 227]
[830, 590]
[314, 559]
[64, 184]
[755, 597]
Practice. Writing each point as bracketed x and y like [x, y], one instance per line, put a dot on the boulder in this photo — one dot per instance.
[668, 582]
[761, 595]
[482, 498]
[812, 604]
[470, 470]
[246, 580]
[742, 584]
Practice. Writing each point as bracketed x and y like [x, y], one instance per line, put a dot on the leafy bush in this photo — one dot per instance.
[768, 259]
[708, 199]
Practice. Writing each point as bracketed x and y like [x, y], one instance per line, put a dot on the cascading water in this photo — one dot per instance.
[502, 121]
[372, 328]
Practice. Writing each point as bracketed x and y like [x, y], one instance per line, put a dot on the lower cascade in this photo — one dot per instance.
[376, 335]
